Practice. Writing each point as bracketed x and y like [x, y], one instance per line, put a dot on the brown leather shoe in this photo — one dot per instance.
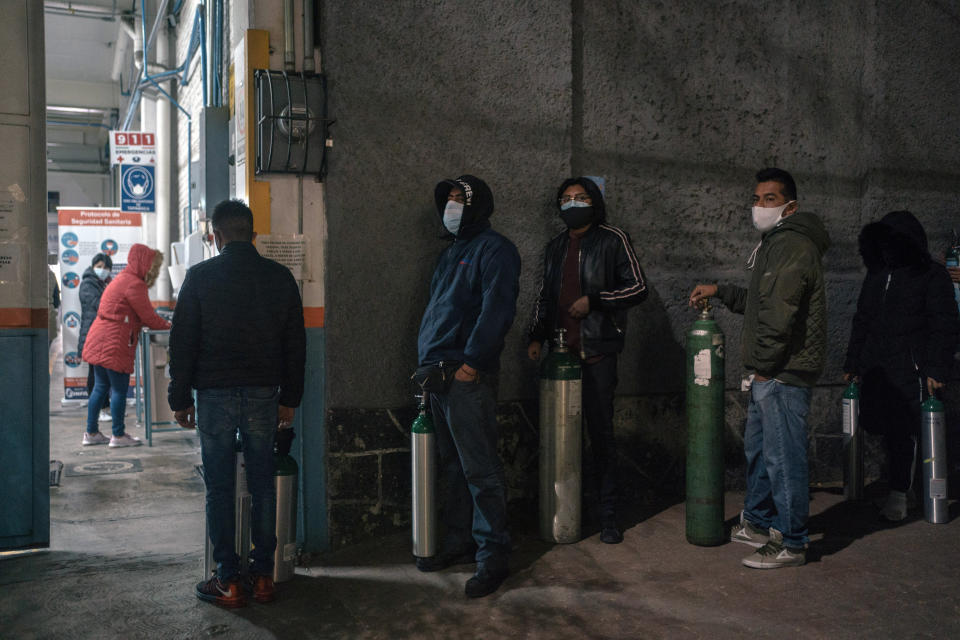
[226, 593]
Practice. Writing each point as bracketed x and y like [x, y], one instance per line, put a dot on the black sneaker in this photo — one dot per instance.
[610, 532]
[226, 593]
[446, 559]
[485, 581]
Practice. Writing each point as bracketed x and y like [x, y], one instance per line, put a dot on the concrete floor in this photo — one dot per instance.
[125, 554]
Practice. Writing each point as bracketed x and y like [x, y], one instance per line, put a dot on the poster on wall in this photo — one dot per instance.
[84, 232]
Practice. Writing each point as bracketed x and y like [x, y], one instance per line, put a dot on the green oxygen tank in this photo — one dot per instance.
[935, 468]
[424, 481]
[852, 444]
[705, 426]
[560, 444]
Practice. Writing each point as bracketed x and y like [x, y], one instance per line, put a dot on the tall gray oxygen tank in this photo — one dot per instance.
[423, 466]
[560, 444]
[285, 477]
[852, 444]
[243, 503]
[934, 448]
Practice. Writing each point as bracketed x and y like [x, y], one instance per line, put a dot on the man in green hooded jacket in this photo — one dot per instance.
[784, 343]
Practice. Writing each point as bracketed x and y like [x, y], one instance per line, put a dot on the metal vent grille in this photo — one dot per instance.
[291, 117]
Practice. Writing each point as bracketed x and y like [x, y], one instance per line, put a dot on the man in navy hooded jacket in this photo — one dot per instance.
[473, 295]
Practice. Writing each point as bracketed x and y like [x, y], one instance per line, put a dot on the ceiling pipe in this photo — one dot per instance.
[289, 51]
[308, 13]
[80, 10]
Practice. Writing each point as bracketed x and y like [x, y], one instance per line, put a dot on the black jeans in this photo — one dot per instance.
[599, 386]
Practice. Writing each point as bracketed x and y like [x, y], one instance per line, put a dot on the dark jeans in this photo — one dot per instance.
[220, 413]
[902, 457]
[474, 500]
[117, 384]
[599, 386]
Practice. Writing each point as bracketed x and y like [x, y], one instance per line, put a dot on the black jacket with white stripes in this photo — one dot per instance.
[610, 275]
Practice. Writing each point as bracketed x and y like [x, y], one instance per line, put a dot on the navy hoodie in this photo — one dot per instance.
[473, 292]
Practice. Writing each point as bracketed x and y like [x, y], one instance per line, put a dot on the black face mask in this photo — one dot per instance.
[577, 217]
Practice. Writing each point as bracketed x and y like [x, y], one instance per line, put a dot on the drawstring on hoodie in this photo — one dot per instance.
[752, 260]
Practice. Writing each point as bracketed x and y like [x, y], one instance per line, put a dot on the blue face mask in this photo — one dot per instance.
[103, 274]
[452, 214]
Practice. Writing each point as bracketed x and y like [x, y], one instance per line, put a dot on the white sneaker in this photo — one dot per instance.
[126, 440]
[748, 533]
[94, 438]
[774, 555]
[105, 416]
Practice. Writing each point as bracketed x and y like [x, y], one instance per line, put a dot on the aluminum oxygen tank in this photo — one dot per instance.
[243, 503]
[242, 509]
[285, 480]
[705, 427]
[423, 459]
[560, 444]
[852, 444]
[934, 448]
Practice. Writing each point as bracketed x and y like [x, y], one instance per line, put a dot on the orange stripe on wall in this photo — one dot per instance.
[23, 318]
[163, 303]
[313, 317]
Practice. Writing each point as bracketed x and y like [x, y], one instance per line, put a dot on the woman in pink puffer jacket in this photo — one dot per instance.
[111, 343]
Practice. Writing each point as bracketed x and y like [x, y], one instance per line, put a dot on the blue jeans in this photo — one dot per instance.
[475, 497]
[116, 384]
[775, 444]
[220, 413]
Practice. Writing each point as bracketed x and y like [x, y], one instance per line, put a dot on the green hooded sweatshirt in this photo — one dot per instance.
[785, 307]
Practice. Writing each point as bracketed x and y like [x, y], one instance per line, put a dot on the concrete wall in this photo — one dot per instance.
[676, 105]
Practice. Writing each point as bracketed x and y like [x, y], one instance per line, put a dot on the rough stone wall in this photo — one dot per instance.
[676, 105]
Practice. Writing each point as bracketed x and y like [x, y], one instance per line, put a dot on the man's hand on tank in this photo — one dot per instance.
[285, 417]
[933, 385]
[954, 273]
[186, 418]
[702, 292]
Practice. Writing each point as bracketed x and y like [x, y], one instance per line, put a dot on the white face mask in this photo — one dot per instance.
[103, 274]
[766, 218]
[451, 216]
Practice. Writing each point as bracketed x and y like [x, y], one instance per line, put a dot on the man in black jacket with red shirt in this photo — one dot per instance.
[591, 277]
[238, 339]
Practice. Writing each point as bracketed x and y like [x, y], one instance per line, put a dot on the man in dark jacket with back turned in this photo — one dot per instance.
[784, 343]
[902, 342]
[473, 298]
[238, 339]
[591, 276]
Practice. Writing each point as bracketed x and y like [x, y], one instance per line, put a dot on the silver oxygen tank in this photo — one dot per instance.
[243, 503]
[560, 444]
[935, 469]
[423, 467]
[852, 444]
[286, 472]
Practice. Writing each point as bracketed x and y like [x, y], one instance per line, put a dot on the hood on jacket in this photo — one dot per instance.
[897, 240]
[139, 260]
[477, 202]
[599, 207]
[809, 225]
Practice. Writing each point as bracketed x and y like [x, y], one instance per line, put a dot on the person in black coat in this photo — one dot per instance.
[901, 343]
[94, 281]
